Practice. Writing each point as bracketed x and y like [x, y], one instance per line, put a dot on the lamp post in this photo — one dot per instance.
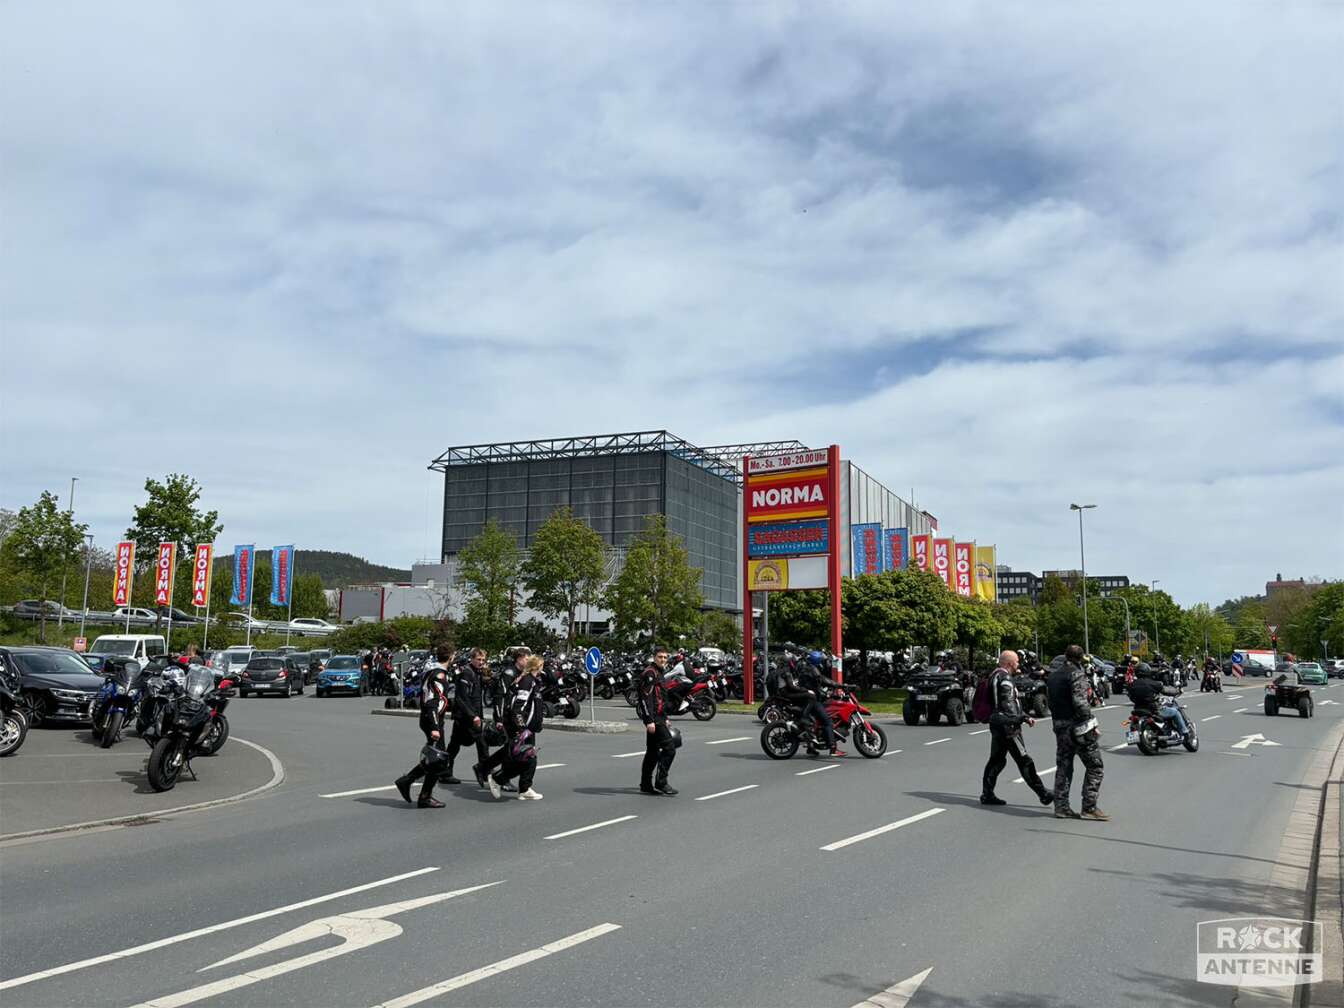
[1082, 559]
[88, 566]
[60, 615]
[1157, 634]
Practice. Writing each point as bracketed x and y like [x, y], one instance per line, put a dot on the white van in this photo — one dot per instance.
[141, 647]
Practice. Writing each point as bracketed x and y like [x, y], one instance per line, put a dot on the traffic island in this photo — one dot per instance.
[548, 724]
[62, 781]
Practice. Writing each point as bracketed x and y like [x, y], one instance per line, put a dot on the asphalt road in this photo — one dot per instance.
[736, 892]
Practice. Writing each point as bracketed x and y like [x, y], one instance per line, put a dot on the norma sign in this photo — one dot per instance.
[124, 574]
[919, 550]
[790, 534]
[164, 568]
[963, 567]
[796, 538]
[200, 575]
[942, 559]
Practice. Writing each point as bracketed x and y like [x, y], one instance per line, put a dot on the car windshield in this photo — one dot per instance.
[343, 661]
[51, 663]
[199, 682]
[106, 646]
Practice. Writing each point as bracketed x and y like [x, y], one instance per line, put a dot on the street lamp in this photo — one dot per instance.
[60, 617]
[88, 566]
[1157, 634]
[1082, 557]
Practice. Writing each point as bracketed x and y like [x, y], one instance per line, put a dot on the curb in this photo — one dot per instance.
[1325, 896]
[548, 724]
[144, 818]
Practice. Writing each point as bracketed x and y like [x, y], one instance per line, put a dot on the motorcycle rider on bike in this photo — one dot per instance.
[434, 707]
[794, 688]
[1148, 694]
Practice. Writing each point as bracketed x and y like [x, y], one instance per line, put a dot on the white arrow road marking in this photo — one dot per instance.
[213, 928]
[1041, 773]
[358, 929]
[720, 794]
[804, 773]
[367, 790]
[937, 740]
[882, 829]
[1215, 717]
[1251, 740]
[585, 829]
[898, 996]
[725, 741]
[502, 966]
[1326, 703]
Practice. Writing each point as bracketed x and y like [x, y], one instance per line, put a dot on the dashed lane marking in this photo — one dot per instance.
[980, 732]
[725, 741]
[937, 740]
[1042, 773]
[1117, 748]
[720, 794]
[585, 829]
[366, 790]
[551, 766]
[860, 837]
[804, 773]
[1241, 710]
[1214, 718]
[627, 755]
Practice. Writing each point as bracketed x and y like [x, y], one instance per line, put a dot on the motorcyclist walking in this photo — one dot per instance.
[1005, 735]
[434, 709]
[522, 710]
[1075, 735]
[660, 749]
[468, 713]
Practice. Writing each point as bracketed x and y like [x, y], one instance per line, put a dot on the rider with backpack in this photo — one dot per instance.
[1006, 718]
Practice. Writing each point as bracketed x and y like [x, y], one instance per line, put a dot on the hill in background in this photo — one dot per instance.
[340, 569]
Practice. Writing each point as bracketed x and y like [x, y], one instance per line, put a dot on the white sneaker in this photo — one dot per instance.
[493, 785]
[530, 795]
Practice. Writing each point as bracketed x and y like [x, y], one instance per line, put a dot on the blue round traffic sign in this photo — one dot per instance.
[592, 661]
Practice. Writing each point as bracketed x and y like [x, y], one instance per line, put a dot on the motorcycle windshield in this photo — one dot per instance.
[200, 681]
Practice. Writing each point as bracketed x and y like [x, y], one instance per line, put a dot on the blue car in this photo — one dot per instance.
[342, 675]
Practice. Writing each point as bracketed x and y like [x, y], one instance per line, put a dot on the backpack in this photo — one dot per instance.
[983, 704]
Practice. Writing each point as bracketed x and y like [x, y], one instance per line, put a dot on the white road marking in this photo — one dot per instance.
[212, 929]
[1213, 718]
[1232, 696]
[550, 766]
[1117, 748]
[585, 829]
[1250, 740]
[627, 755]
[1040, 773]
[495, 968]
[804, 773]
[720, 794]
[882, 829]
[367, 790]
[889, 752]
[725, 741]
[980, 732]
[897, 996]
[1327, 703]
[937, 740]
[357, 930]
[1241, 710]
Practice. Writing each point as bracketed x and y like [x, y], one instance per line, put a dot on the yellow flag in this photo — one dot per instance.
[984, 573]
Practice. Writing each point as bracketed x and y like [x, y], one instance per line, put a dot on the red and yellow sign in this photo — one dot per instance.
[920, 546]
[201, 569]
[942, 559]
[123, 574]
[963, 569]
[164, 568]
[801, 493]
[984, 573]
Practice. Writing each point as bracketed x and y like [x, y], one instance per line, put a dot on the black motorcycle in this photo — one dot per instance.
[560, 695]
[611, 681]
[14, 727]
[1152, 732]
[1211, 683]
[189, 721]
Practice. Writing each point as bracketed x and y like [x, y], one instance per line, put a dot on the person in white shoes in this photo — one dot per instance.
[523, 721]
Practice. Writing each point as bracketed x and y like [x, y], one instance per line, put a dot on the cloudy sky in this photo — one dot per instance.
[1010, 256]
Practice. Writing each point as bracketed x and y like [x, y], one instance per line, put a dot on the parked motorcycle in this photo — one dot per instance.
[611, 681]
[1152, 732]
[13, 726]
[560, 696]
[189, 721]
[780, 740]
[116, 704]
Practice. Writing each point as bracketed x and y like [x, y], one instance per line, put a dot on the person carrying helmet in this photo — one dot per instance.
[522, 722]
[660, 748]
[520, 701]
[434, 707]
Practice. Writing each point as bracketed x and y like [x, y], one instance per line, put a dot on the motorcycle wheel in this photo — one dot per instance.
[778, 741]
[1191, 740]
[1148, 741]
[632, 696]
[910, 713]
[604, 692]
[1042, 707]
[571, 710]
[166, 762]
[12, 732]
[581, 693]
[213, 740]
[112, 728]
[705, 709]
[548, 709]
[870, 744]
[96, 725]
[1271, 707]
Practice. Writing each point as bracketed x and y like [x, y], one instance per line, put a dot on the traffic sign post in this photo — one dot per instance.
[592, 662]
[81, 643]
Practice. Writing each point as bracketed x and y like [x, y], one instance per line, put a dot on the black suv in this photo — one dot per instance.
[56, 683]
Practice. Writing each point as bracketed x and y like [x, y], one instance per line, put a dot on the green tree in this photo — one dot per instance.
[171, 515]
[1321, 618]
[925, 612]
[566, 568]
[720, 630]
[977, 629]
[489, 569]
[1207, 631]
[657, 592]
[1249, 626]
[43, 541]
[1018, 620]
[801, 617]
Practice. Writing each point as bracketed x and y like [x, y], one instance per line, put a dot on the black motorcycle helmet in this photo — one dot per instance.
[675, 735]
[1144, 671]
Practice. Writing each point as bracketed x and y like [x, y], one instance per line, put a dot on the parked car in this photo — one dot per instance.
[312, 625]
[141, 647]
[323, 655]
[33, 609]
[309, 667]
[241, 621]
[1334, 667]
[179, 616]
[342, 675]
[287, 649]
[270, 675]
[234, 660]
[55, 683]
[1310, 673]
[133, 614]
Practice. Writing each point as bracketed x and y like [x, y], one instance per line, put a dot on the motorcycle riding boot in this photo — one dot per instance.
[405, 781]
[448, 777]
[660, 783]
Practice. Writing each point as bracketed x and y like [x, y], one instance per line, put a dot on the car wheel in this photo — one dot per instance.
[34, 706]
[321, 692]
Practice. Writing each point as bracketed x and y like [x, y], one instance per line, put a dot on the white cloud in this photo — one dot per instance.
[359, 237]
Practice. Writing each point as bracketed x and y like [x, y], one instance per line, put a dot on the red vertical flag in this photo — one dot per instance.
[201, 569]
[164, 569]
[942, 560]
[963, 569]
[920, 545]
[124, 574]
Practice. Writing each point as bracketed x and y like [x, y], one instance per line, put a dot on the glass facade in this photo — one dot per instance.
[614, 494]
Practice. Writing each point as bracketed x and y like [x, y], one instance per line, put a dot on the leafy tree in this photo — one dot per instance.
[1017, 620]
[171, 515]
[925, 611]
[1207, 631]
[43, 541]
[566, 568]
[802, 617]
[1321, 618]
[1249, 628]
[658, 591]
[718, 629]
[976, 627]
[488, 569]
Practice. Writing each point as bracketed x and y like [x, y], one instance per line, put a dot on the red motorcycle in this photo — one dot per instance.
[685, 695]
[849, 720]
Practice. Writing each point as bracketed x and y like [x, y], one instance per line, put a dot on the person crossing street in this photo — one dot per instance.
[434, 708]
[1076, 734]
[1005, 735]
[660, 748]
[469, 702]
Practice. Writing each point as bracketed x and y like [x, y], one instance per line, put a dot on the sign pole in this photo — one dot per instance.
[833, 562]
[748, 622]
[88, 569]
[765, 643]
